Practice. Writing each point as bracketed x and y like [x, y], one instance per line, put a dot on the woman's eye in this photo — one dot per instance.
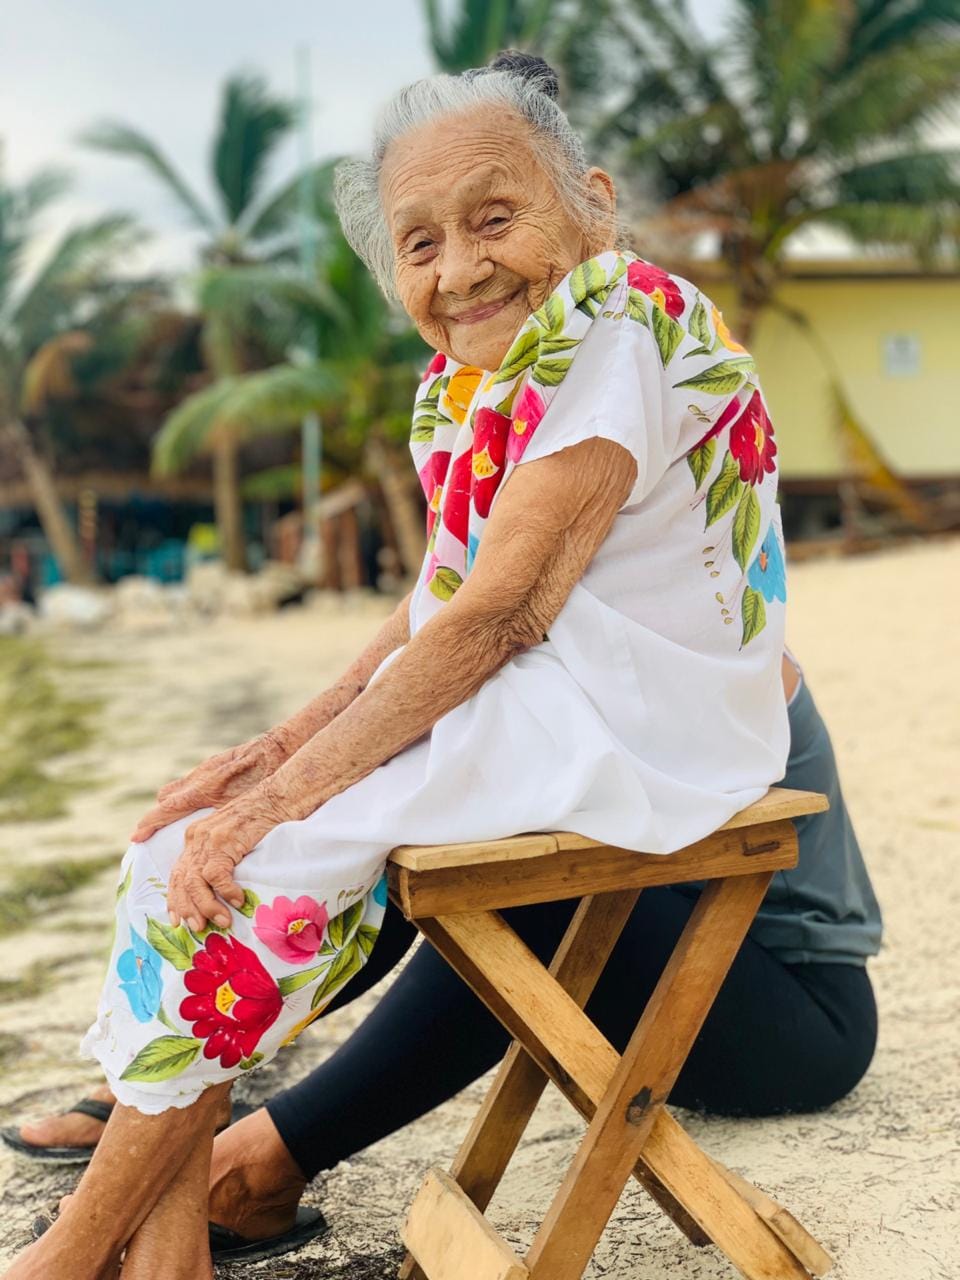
[496, 221]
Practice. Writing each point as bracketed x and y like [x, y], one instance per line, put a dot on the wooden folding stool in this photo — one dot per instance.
[453, 894]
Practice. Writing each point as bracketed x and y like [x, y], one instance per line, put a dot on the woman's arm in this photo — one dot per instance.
[547, 524]
[227, 776]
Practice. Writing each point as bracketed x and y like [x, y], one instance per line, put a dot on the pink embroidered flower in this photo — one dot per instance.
[432, 475]
[730, 411]
[436, 365]
[291, 930]
[658, 285]
[456, 501]
[527, 413]
[490, 433]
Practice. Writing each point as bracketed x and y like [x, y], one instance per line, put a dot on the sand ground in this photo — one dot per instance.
[877, 1177]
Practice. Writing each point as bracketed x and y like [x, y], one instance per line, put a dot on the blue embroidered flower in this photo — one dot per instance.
[380, 892]
[767, 574]
[472, 544]
[139, 972]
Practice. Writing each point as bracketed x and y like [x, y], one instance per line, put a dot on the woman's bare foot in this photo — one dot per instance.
[255, 1186]
[68, 1130]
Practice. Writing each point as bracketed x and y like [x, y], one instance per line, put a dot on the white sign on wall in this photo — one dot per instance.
[901, 355]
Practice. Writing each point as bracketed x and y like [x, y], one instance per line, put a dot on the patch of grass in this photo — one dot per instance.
[34, 981]
[29, 889]
[39, 724]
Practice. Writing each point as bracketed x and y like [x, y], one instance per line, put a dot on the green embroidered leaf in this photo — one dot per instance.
[347, 963]
[586, 280]
[637, 306]
[701, 460]
[724, 491]
[164, 1018]
[668, 333]
[422, 435]
[445, 582]
[699, 325]
[754, 615]
[550, 373]
[367, 935]
[550, 316]
[163, 1058]
[520, 356]
[328, 949]
[720, 378]
[746, 526]
[619, 269]
[251, 901]
[550, 346]
[176, 945]
[697, 351]
[589, 307]
[342, 926]
[291, 982]
[124, 885]
[247, 1064]
[433, 392]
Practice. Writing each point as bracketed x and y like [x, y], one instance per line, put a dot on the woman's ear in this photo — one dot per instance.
[603, 194]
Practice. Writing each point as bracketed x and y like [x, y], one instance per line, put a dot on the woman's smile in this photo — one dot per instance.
[484, 311]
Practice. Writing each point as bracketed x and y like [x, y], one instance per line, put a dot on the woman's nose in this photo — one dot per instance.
[461, 266]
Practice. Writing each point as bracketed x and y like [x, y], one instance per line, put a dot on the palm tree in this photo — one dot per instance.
[362, 382]
[51, 318]
[246, 225]
[480, 28]
[807, 115]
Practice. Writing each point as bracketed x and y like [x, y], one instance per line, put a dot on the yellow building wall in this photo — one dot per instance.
[913, 416]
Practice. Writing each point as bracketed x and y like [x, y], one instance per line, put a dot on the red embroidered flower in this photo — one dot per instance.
[432, 475]
[233, 1002]
[730, 411]
[658, 285]
[490, 431]
[752, 443]
[436, 365]
[456, 501]
[527, 413]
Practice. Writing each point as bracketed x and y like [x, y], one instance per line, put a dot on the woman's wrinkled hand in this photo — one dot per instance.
[212, 848]
[214, 783]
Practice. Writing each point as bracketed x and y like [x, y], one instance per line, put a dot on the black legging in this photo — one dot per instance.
[780, 1037]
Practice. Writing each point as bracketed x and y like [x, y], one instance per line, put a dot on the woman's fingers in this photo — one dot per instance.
[204, 904]
[219, 875]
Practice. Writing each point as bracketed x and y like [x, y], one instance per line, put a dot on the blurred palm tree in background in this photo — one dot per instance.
[65, 326]
[362, 381]
[246, 227]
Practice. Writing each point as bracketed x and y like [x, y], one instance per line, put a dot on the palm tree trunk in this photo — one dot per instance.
[406, 513]
[227, 505]
[53, 519]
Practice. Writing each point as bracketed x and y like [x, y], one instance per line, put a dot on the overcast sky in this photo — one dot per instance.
[65, 65]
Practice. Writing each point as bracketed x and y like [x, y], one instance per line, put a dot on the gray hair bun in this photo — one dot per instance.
[527, 66]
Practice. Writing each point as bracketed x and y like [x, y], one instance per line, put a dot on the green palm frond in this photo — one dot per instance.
[882, 25]
[916, 177]
[121, 139]
[481, 28]
[922, 228]
[79, 264]
[276, 214]
[890, 95]
[248, 405]
[252, 124]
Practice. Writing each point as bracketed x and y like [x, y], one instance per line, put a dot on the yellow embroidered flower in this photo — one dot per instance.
[723, 333]
[460, 391]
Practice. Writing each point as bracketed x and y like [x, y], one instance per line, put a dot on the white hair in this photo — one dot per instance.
[527, 93]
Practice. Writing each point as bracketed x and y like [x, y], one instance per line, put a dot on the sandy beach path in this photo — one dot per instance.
[877, 1177]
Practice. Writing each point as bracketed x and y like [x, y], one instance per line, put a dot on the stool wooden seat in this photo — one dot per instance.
[453, 894]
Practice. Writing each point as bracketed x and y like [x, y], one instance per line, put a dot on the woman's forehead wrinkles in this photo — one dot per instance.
[489, 181]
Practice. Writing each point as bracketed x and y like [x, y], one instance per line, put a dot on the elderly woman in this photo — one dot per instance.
[593, 644]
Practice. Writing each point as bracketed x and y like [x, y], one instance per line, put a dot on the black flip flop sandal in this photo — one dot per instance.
[83, 1155]
[92, 1107]
[228, 1246]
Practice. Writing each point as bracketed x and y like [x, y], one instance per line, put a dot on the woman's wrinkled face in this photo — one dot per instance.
[480, 235]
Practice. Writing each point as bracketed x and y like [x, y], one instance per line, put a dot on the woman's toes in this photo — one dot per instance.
[64, 1202]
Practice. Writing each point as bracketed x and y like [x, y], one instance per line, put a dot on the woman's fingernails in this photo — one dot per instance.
[195, 924]
[174, 918]
[223, 921]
